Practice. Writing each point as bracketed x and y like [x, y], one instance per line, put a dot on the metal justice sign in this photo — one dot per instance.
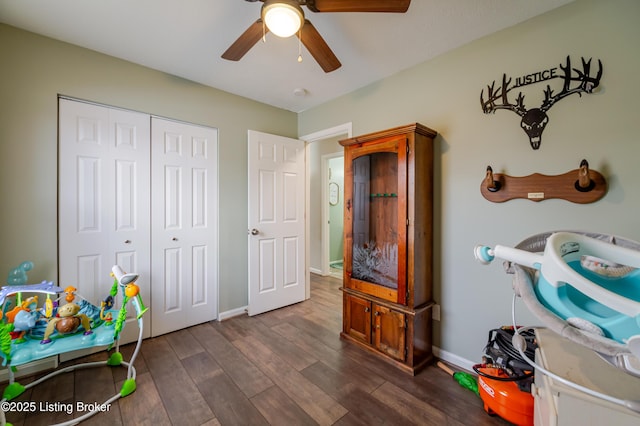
[534, 120]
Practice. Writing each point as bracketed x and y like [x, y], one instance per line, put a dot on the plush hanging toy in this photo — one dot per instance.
[67, 321]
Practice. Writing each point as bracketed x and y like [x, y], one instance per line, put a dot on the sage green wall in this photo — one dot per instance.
[35, 69]
[316, 151]
[444, 94]
[336, 213]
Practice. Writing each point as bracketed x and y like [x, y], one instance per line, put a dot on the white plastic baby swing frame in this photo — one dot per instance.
[14, 389]
[522, 257]
[625, 338]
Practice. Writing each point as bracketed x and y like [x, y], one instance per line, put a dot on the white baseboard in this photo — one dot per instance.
[232, 313]
[453, 359]
[316, 271]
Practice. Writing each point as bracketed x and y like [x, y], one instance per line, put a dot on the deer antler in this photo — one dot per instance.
[587, 83]
[494, 95]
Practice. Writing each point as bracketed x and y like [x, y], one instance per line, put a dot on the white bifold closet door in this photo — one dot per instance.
[103, 201]
[184, 226]
[140, 192]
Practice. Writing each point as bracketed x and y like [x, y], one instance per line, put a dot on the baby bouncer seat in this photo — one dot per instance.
[584, 286]
[30, 331]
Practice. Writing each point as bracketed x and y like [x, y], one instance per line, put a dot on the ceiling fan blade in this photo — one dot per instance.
[387, 6]
[246, 41]
[318, 48]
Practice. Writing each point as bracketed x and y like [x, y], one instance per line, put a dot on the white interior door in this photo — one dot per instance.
[276, 228]
[184, 225]
[103, 200]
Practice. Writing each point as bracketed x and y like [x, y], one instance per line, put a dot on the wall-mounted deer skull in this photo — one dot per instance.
[535, 120]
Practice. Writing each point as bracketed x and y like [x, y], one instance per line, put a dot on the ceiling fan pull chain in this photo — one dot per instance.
[300, 45]
[264, 32]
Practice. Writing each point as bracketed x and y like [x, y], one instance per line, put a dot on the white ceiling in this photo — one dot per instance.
[186, 38]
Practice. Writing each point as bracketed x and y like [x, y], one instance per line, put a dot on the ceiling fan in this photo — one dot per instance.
[288, 14]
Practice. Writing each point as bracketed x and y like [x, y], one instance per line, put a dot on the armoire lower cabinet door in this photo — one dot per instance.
[357, 318]
[390, 333]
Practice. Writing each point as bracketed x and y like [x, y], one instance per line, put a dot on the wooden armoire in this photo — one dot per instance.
[388, 243]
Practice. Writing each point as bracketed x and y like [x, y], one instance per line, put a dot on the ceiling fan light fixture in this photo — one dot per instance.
[283, 18]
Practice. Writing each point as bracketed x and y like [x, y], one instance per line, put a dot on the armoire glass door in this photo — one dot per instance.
[375, 219]
[378, 219]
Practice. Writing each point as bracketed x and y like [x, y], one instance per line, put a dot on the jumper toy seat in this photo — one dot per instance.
[32, 328]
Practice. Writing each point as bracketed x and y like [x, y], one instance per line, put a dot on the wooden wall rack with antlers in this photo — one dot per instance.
[580, 186]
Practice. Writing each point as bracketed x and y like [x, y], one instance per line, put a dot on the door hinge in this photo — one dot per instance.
[407, 148]
[407, 222]
[406, 352]
[406, 295]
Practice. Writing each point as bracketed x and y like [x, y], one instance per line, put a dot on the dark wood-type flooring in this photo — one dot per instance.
[285, 367]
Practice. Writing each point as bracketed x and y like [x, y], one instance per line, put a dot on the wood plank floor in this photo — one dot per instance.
[286, 367]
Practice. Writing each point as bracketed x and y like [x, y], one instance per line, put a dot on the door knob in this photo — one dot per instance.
[254, 231]
[174, 239]
[127, 241]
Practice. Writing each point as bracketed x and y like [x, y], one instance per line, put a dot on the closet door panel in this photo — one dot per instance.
[83, 194]
[128, 208]
[172, 281]
[103, 208]
[200, 202]
[184, 225]
[199, 274]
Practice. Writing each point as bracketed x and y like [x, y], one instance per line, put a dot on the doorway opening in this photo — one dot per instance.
[322, 148]
[333, 204]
